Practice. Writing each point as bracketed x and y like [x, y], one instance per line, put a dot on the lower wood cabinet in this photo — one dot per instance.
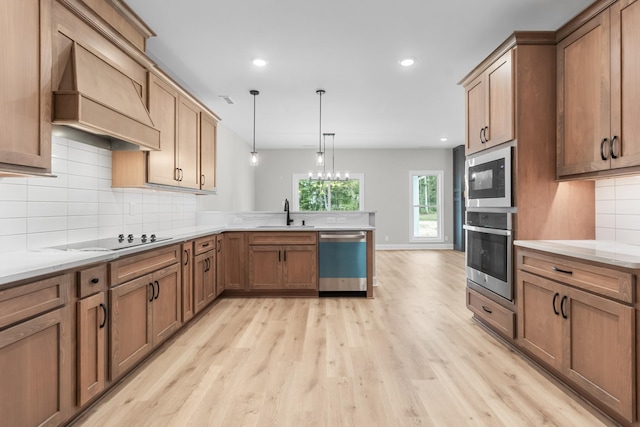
[144, 312]
[187, 281]
[220, 246]
[91, 321]
[586, 338]
[35, 353]
[274, 267]
[204, 279]
[234, 261]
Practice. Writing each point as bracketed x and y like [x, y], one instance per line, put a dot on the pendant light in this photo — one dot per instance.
[254, 160]
[320, 154]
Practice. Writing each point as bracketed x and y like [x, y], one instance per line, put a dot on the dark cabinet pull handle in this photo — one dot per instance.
[158, 285]
[219, 243]
[95, 280]
[202, 179]
[611, 147]
[279, 259]
[555, 298]
[177, 174]
[181, 174]
[481, 137]
[204, 245]
[488, 310]
[206, 265]
[186, 257]
[104, 318]
[603, 155]
[153, 292]
[486, 128]
[559, 270]
[562, 301]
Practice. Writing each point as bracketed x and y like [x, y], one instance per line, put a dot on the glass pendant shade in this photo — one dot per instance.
[319, 158]
[254, 160]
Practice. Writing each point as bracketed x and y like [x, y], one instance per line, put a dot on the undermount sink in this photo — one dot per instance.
[285, 226]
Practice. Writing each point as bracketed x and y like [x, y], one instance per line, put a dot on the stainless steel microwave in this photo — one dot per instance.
[488, 179]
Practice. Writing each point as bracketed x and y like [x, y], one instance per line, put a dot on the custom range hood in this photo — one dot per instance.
[97, 98]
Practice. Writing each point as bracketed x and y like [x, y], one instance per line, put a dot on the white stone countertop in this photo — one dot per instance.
[22, 265]
[604, 251]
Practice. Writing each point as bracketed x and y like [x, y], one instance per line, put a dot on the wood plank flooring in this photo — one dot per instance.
[411, 356]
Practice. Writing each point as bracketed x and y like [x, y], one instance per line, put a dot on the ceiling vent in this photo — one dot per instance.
[227, 99]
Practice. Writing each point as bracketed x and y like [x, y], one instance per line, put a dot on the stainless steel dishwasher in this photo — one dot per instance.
[342, 262]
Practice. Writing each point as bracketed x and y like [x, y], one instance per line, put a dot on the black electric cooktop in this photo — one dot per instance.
[112, 243]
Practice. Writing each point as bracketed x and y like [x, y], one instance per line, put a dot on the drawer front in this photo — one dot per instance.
[32, 299]
[283, 238]
[204, 244]
[92, 280]
[134, 266]
[501, 318]
[604, 281]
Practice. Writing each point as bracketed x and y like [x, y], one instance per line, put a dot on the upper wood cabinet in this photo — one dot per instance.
[187, 156]
[25, 86]
[598, 92]
[490, 106]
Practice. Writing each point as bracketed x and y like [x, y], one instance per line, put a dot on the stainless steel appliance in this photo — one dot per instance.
[342, 259]
[112, 243]
[489, 250]
[488, 179]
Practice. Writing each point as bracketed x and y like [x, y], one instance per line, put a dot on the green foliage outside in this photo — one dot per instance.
[339, 195]
[427, 196]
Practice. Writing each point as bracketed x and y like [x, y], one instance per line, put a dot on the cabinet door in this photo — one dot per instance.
[203, 280]
[91, 367]
[207, 152]
[187, 281]
[163, 104]
[300, 267]
[35, 375]
[601, 335]
[234, 261]
[265, 267]
[219, 264]
[210, 283]
[25, 83]
[188, 144]
[539, 320]
[583, 98]
[130, 324]
[475, 94]
[167, 303]
[499, 101]
[625, 83]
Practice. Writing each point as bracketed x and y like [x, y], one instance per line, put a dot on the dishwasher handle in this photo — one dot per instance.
[341, 236]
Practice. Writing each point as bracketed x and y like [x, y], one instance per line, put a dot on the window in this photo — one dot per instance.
[312, 195]
[426, 206]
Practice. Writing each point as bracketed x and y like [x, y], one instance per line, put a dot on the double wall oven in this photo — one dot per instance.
[489, 221]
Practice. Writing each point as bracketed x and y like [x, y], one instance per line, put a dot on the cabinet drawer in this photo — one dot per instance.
[283, 238]
[23, 302]
[491, 312]
[134, 266]
[604, 281]
[204, 244]
[92, 280]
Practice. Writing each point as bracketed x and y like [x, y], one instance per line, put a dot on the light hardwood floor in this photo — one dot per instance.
[411, 356]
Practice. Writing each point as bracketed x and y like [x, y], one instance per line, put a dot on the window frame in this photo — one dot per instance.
[440, 207]
[296, 195]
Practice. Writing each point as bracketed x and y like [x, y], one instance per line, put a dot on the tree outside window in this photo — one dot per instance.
[426, 211]
[313, 195]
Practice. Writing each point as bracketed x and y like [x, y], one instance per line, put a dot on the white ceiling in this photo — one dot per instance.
[350, 48]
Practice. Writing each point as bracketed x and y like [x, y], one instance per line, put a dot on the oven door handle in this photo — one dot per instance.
[487, 230]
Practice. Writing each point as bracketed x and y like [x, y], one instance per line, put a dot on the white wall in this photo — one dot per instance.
[387, 184]
[618, 210]
[234, 176]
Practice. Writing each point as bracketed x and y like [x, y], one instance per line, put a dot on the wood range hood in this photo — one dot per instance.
[95, 97]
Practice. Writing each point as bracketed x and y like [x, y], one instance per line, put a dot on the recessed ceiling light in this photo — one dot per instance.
[408, 62]
[259, 62]
[444, 139]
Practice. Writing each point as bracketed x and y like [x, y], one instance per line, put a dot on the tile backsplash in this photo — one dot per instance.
[618, 210]
[79, 204]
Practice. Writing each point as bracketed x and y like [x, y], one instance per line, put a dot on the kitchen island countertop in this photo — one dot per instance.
[604, 251]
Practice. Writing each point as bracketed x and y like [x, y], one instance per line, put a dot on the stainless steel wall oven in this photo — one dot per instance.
[489, 251]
